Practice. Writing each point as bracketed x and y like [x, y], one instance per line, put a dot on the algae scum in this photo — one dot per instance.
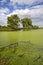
[21, 53]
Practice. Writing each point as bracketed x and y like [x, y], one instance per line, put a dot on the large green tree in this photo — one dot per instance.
[13, 21]
[26, 22]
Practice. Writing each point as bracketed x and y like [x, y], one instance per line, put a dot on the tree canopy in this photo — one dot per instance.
[13, 21]
[26, 22]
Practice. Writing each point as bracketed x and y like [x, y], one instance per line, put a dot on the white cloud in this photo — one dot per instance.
[37, 11]
[25, 1]
[3, 16]
[4, 10]
[38, 23]
[33, 13]
[20, 12]
[36, 14]
[3, 19]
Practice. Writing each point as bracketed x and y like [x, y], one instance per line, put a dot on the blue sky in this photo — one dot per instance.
[23, 8]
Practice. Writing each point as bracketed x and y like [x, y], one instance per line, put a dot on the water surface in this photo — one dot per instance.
[35, 36]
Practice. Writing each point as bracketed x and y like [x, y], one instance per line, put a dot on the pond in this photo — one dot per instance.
[28, 49]
[35, 36]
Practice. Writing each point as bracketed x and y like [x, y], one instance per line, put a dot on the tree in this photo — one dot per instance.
[26, 22]
[13, 21]
[35, 27]
[0, 26]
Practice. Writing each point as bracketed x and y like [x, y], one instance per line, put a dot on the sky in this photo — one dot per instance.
[23, 8]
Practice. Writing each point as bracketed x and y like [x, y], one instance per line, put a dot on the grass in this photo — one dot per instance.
[21, 53]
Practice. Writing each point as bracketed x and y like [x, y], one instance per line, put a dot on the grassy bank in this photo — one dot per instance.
[21, 53]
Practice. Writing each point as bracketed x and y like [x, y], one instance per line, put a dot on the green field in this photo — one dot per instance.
[21, 47]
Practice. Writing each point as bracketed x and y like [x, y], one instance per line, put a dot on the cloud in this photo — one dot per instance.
[29, 2]
[4, 10]
[36, 14]
[23, 8]
[25, 1]
[3, 19]
[2, 1]
[3, 16]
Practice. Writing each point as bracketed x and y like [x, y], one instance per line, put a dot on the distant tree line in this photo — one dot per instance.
[13, 24]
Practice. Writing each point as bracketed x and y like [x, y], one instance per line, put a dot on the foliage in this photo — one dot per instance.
[13, 24]
[26, 22]
[0, 26]
[5, 28]
[13, 21]
[35, 27]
